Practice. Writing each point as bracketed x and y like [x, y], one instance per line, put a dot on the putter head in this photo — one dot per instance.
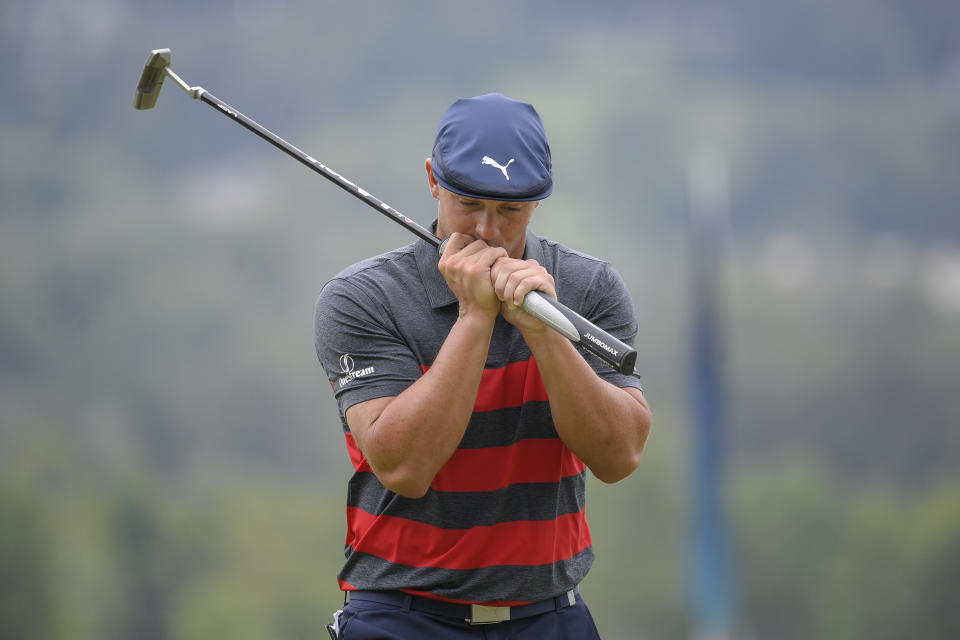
[151, 79]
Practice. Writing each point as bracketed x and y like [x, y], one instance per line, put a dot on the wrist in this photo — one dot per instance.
[476, 318]
[539, 336]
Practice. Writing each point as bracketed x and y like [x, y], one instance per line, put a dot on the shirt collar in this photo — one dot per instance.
[438, 292]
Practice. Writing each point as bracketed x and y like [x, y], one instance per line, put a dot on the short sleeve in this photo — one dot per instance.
[363, 357]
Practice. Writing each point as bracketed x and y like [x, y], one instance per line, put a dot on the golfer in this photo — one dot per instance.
[470, 424]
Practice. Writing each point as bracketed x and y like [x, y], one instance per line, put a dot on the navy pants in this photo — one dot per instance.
[364, 620]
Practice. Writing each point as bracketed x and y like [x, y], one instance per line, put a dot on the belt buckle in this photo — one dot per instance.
[482, 614]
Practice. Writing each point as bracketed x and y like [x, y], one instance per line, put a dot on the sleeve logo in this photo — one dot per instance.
[349, 372]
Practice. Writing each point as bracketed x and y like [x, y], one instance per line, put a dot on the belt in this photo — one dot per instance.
[471, 613]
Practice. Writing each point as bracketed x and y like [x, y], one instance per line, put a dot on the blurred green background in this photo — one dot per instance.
[171, 465]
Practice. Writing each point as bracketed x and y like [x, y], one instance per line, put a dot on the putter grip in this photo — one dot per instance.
[581, 331]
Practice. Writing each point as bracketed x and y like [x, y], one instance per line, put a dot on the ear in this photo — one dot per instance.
[431, 181]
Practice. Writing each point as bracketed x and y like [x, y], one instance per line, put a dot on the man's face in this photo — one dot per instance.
[496, 222]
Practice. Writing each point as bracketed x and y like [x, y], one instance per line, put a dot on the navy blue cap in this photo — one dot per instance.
[494, 148]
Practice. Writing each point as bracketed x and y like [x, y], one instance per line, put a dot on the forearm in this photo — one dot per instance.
[604, 425]
[419, 430]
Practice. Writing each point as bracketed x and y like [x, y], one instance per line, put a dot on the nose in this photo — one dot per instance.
[487, 228]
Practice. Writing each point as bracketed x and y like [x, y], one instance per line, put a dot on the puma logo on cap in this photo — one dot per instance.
[493, 163]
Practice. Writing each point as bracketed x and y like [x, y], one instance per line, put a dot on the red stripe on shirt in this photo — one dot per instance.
[492, 468]
[523, 543]
[510, 386]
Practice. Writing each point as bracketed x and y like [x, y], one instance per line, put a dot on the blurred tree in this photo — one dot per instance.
[155, 562]
[27, 603]
[785, 523]
[869, 589]
[147, 586]
[935, 545]
[272, 568]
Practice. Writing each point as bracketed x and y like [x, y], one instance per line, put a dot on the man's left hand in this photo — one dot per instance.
[512, 280]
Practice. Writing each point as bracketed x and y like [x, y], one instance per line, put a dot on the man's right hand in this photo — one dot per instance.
[465, 265]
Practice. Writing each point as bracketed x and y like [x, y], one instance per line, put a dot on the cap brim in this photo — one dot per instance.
[491, 195]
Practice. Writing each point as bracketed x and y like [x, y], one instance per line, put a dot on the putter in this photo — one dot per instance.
[583, 333]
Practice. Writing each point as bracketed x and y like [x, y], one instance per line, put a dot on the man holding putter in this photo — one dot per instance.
[469, 422]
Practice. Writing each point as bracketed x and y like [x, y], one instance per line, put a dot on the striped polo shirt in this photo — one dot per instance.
[503, 521]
